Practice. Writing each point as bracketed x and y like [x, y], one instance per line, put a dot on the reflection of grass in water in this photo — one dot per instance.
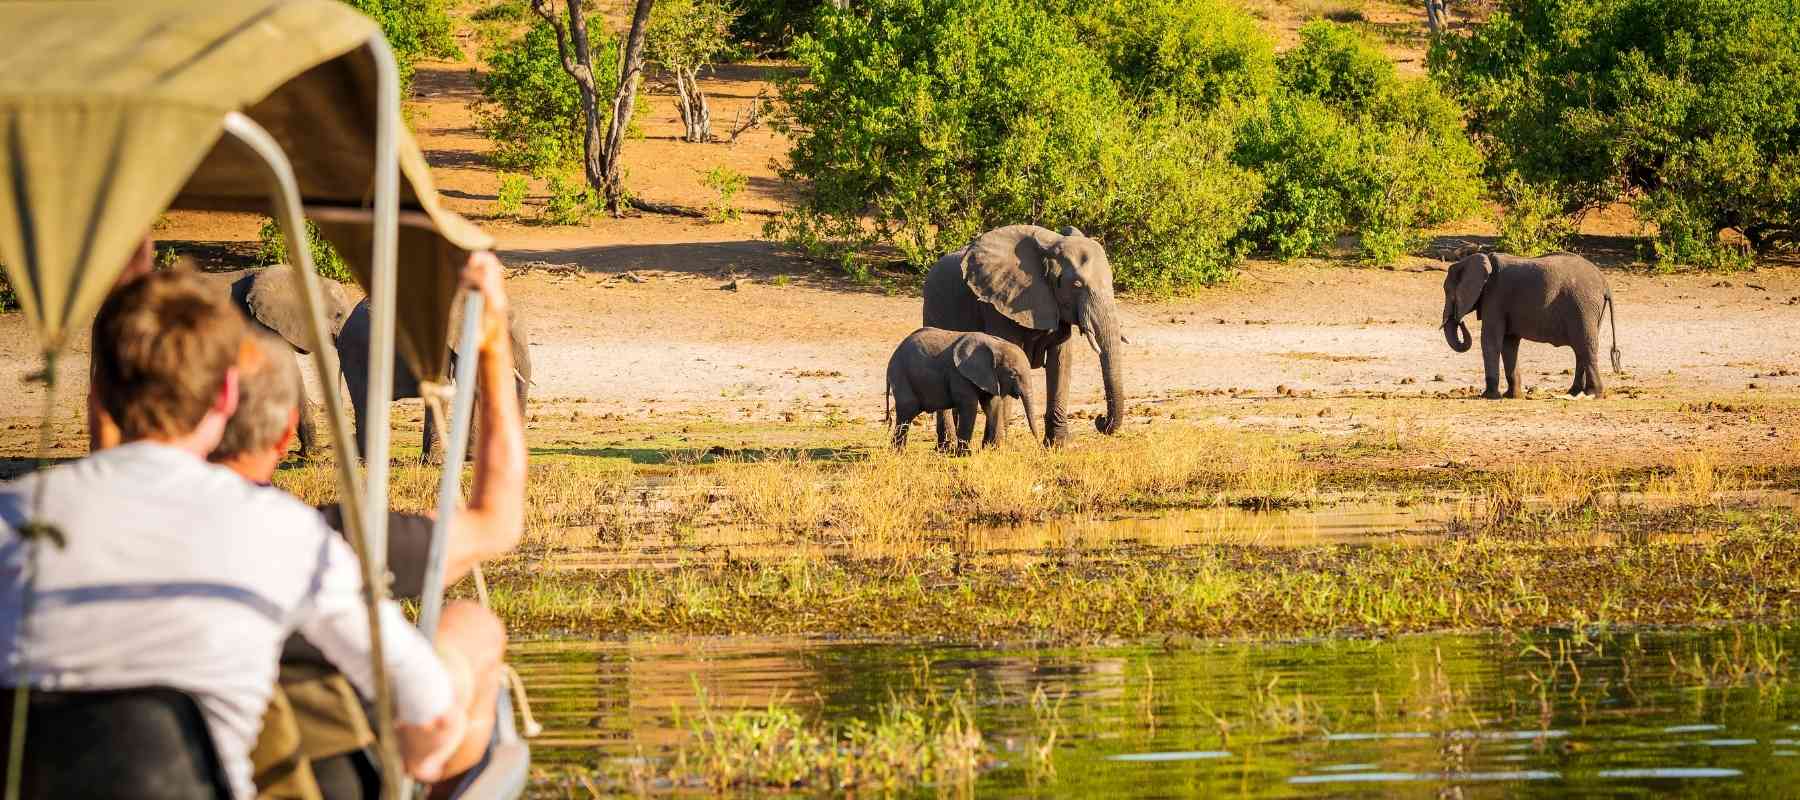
[912, 742]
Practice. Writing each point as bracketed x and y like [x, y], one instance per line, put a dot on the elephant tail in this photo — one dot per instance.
[1613, 315]
[887, 404]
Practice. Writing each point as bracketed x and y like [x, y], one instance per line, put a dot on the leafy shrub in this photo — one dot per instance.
[1689, 108]
[773, 25]
[509, 199]
[1173, 204]
[415, 29]
[727, 183]
[934, 119]
[572, 201]
[1200, 54]
[1532, 221]
[688, 34]
[271, 248]
[530, 108]
[1349, 147]
[9, 299]
[921, 123]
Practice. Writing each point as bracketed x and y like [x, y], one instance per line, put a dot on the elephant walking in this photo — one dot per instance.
[939, 370]
[353, 359]
[268, 298]
[1558, 299]
[1034, 287]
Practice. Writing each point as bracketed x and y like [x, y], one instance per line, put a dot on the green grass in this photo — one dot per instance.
[1126, 592]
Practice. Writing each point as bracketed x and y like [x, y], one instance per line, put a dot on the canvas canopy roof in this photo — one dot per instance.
[112, 111]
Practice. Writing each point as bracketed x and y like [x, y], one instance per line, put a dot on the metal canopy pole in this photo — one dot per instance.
[450, 481]
[381, 368]
[286, 195]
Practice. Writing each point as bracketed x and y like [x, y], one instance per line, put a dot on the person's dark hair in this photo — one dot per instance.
[163, 344]
[267, 396]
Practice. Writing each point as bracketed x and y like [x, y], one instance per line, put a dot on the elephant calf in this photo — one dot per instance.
[939, 370]
[1557, 299]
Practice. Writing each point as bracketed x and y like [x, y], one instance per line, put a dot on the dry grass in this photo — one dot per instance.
[889, 497]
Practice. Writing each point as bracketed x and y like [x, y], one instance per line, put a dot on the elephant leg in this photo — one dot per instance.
[1509, 354]
[1492, 339]
[944, 428]
[309, 441]
[430, 438]
[1594, 386]
[967, 404]
[906, 409]
[1057, 362]
[996, 421]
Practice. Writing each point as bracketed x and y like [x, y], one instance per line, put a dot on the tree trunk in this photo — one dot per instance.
[600, 156]
[1434, 15]
[631, 67]
[690, 101]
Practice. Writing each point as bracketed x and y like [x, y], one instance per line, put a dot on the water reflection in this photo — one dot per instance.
[1543, 716]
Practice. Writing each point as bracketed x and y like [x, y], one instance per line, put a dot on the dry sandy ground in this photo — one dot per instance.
[1358, 347]
[632, 320]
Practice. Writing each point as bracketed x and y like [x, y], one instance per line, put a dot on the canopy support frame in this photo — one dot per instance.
[455, 448]
[382, 291]
[285, 196]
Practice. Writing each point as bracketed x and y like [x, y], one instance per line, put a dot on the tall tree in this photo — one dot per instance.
[600, 152]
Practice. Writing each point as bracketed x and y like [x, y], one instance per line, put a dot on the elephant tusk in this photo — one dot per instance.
[1092, 342]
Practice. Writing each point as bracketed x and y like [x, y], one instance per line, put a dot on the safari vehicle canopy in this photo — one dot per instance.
[114, 111]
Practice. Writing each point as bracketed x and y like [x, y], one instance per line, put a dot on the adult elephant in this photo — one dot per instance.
[353, 359]
[268, 299]
[1034, 287]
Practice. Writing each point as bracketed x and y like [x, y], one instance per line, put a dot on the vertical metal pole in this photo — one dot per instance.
[286, 195]
[450, 482]
[381, 367]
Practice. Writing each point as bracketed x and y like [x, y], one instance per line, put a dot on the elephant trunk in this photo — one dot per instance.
[1103, 334]
[1030, 410]
[1456, 332]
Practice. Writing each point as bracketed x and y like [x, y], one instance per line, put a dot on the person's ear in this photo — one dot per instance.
[288, 433]
[227, 402]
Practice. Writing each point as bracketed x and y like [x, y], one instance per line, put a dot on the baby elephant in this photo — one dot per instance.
[1557, 299]
[939, 370]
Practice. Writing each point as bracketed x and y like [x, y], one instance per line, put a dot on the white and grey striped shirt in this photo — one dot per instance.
[179, 573]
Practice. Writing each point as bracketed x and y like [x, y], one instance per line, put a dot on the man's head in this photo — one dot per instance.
[166, 352]
[258, 434]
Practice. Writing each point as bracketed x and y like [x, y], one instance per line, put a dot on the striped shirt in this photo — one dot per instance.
[178, 573]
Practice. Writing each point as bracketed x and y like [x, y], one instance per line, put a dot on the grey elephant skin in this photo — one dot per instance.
[1557, 299]
[939, 370]
[268, 297]
[353, 359]
[1035, 287]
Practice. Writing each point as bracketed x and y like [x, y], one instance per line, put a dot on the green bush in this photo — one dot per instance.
[1348, 147]
[773, 25]
[1532, 221]
[726, 183]
[572, 201]
[9, 299]
[509, 199]
[1688, 108]
[415, 29]
[531, 109]
[271, 248]
[1199, 54]
[1173, 203]
[920, 123]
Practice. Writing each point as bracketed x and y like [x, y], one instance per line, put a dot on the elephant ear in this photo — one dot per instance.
[974, 358]
[1008, 269]
[1471, 281]
[274, 302]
